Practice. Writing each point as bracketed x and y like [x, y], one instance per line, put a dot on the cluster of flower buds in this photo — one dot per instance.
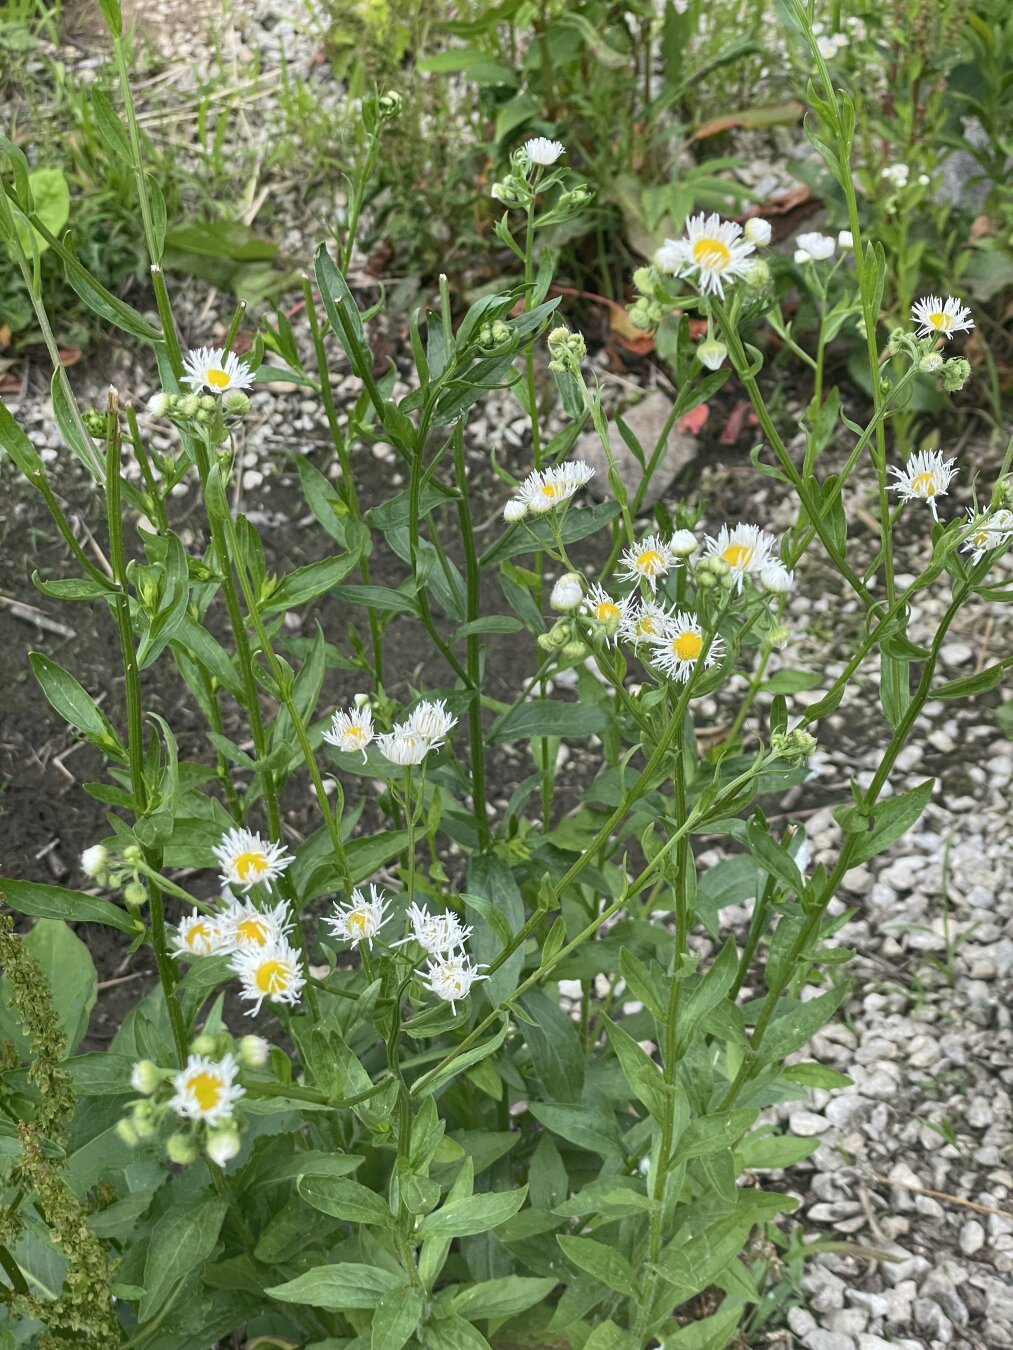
[794, 746]
[200, 410]
[567, 350]
[527, 178]
[497, 338]
[202, 1095]
[95, 865]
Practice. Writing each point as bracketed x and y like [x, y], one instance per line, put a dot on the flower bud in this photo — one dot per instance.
[794, 746]
[683, 543]
[205, 1044]
[222, 1144]
[389, 105]
[640, 313]
[127, 1134]
[758, 231]
[845, 239]
[236, 404]
[776, 578]
[93, 861]
[181, 1149]
[188, 406]
[514, 510]
[705, 580]
[143, 1119]
[158, 404]
[135, 895]
[132, 855]
[254, 1051]
[145, 1077]
[567, 593]
[711, 353]
[95, 422]
[644, 280]
[956, 373]
[930, 363]
[778, 637]
[757, 278]
[574, 651]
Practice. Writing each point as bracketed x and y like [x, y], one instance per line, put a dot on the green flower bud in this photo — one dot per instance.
[644, 279]
[205, 1044]
[930, 363]
[222, 1144]
[711, 354]
[135, 895]
[389, 106]
[188, 406]
[254, 1051]
[132, 855]
[640, 314]
[127, 1133]
[574, 651]
[956, 373]
[236, 404]
[159, 404]
[794, 746]
[757, 278]
[705, 580]
[145, 1077]
[181, 1149]
[208, 403]
[95, 422]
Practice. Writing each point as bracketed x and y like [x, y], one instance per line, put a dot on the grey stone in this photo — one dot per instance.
[877, 1305]
[801, 1321]
[828, 1340]
[868, 1342]
[849, 1321]
[646, 420]
[807, 1123]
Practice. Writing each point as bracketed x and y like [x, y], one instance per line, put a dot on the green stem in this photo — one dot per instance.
[474, 643]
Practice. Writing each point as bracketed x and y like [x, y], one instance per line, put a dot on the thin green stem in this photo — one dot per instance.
[473, 648]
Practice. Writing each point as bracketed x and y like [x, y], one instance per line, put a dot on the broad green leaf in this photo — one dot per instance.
[892, 817]
[341, 1287]
[797, 1025]
[587, 1127]
[505, 1297]
[601, 1261]
[550, 717]
[182, 1239]
[642, 1075]
[75, 705]
[395, 1319]
[69, 972]
[53, 902]
[464, 1061]
[472, 1214]
[454, 1333]
[555, 1047]
[706, 1134]
[17, 445]
[51, 196]
[306, 583]
[491, 879]
[345, 1199]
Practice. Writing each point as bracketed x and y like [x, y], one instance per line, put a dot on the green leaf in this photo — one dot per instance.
[17, 445]
[306, 583]
[774, 1151]
[182, 1239]
[791, 681]
[816, 1076]
[492, 623]
[95, 296]
[532, 535]
[550, 717]
[642, 1075]
[584, 1126]
[797, 1025]
[75, 705]
[707, 1134]
[395, 1319]
[602, 1261]
[54, 902]
[334, 293]
[555, 1047]
[69, 972]
[465, 1061]
[338, 1288]
[505, 1297]
[891, 818]
[490, 879]
[969, 685]
[472, 1214]
[454, 1333]
[345, 1199]
[51, 196]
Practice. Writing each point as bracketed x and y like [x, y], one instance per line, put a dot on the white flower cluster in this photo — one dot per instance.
[994, 531]
[409, 742]
[712, 252]
[213, 370]
[450, 971]
[545, 489]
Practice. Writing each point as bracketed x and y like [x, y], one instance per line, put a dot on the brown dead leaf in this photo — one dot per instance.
[69, 356]
[5, 335]
[750, 119]
[693, 422]
[737, 418]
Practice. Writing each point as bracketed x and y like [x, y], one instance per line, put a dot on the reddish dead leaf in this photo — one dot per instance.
[693, 422]
[783, 203]
[778, 114]
[10, 384]
[739, 415]
[5, 335]
[697, 328]
[69, 356]
[982, 227]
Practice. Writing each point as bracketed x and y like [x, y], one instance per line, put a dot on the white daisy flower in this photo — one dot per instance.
[936, 316]
[430, 720]
[547, 488]
[714, 249]
[540, 150]
[776, 578]
[643, 621]
[254, 1051]
[647, 561]
[198, 935]
[598, 604]
[451, 977]
[435, 933]
[758, 231]
[351, 730]
[818, 246]
[206, 1089]
[994, 531]
[897, 174]
[244, 925]
[677, 653]
[268, 972]
[924, 477]
[216, 371]
[828, 47]
[515, 509]
[222, 1145]
[670, 257]
[361, 919]
[745, 549]
[246, 859]
[401, 746]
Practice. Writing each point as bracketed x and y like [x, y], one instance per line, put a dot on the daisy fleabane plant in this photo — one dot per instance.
[273, 973]
[206, 1089]
[647, 561]
[436, 934]
[198, 935]
[247, 860]
[244, 925]
[714, 249]
[451, 977]
[925, 477]
[215, 371]
[543, 152]
[430, 720]
[676, 654]
[545, 489]
[995, 531]
[361, 919]
[351, 731]
[937, 317]
[643, 621]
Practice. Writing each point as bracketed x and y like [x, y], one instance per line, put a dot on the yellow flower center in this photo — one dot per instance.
[355, 733]
[197, 935]
[208, 1088]
[253, 930]
[738, 555]
[273, 977]
[250, 864]
[606, 610]
[217, 379]
[980, 539]
[650, 562]
[687, 646]
[713, 255]
[358, 921]
[924, 485]
[940, 320]
[551, 490]
[646, 626]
